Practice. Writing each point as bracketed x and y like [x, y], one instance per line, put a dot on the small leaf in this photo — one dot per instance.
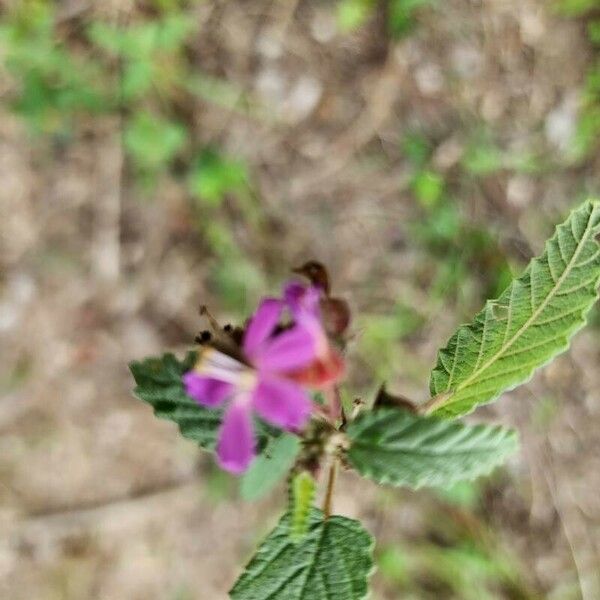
[152, 141]
[159, 384]
[398, 447]
[529, 324]
[303, 494]
[213, 176]
[270, 467]
[351, 14]
[332, 562]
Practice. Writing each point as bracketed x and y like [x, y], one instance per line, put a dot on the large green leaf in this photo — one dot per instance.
[527, 325]
[159, 384]
[270, 467]
[394, 446]
[331, 562]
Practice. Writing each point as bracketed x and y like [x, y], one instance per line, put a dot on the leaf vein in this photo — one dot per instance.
[578, 287]
[534, 346]
[533, 317]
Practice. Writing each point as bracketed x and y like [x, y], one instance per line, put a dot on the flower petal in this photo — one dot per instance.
[289, 351]
[206, 390]
[292, 293]
[304, 304]
[321, 373]
[301, 298]
[262, 324]
[282, 403]
[235, 448]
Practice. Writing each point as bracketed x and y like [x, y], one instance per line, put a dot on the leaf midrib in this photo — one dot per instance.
[313, 562]
[428, 453]
[533, 317]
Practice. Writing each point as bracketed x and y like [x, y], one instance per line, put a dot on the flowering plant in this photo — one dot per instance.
[265, 373]
[266, 398]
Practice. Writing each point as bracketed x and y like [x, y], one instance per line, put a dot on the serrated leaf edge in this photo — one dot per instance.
[369, 550]
[510, 434]
[582, 311]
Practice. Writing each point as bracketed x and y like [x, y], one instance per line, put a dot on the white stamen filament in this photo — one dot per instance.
[218, 365]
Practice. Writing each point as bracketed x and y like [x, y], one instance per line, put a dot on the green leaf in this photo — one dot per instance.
[575, 8]
[428, 187]
[332, 562]
[270, 467]
[159, 384]
[352, 14]
[402, 13]
[152, 141]
[417, 148]
[400, 448]
[530, 323]
[303, 494]
[213, 176]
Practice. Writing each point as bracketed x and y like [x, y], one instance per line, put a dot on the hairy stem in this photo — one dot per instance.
[434, 403]
[331, 478]
[335, 403]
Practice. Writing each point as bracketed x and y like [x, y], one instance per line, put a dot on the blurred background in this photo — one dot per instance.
[156, 154]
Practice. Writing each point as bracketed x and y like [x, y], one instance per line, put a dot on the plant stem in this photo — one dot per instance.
[327, 504]
[335, 403]
[214, 325]
[434, 403]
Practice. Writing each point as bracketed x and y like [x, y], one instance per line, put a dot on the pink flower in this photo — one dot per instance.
[304, 303]
[262, 383]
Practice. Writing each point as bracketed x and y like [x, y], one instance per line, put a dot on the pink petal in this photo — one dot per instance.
[289, 351]
[262, 324]
[322, 372]
[304, 304]
[293, 293]
[206, 390]
[235, 448]
[302, 299]
[282, 403]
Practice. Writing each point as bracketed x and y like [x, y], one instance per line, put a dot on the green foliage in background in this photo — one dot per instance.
[467, 569]
[380, 335]
[147, 64]
[460, 248]
[152, 142]
[458, 556]
[214, 179]
[351, 14]
[151, 53]
[213, 176]
[140, 68]
[400, 15]
[483, 157]
[51, 85]
[60, 76]
[588, 130]
[575, 8]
